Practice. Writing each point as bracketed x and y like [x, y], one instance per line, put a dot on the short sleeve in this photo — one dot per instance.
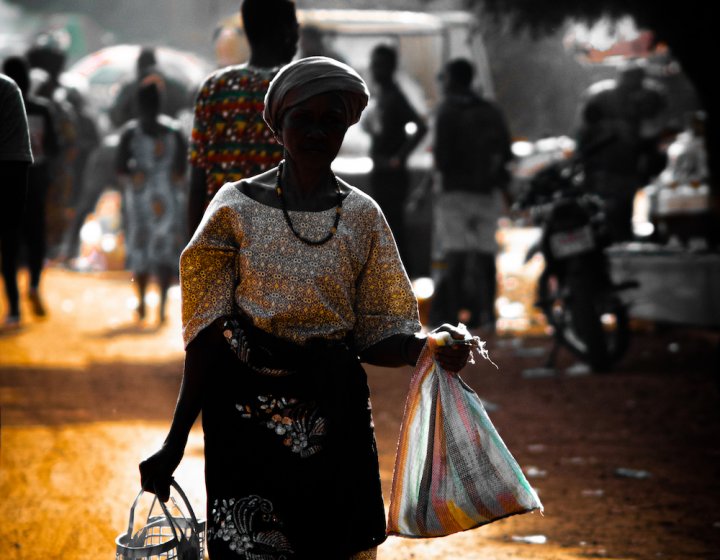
[208, 268]
[385, 303]
[201, 128]
[14, 132]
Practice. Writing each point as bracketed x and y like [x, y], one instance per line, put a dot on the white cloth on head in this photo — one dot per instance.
[307, 77]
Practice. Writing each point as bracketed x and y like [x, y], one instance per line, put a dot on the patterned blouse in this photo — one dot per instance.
[243, 254]
[230, 139]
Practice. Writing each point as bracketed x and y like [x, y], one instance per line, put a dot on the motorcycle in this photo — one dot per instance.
[575, 290]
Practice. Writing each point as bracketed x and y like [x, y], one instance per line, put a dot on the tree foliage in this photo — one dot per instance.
[687, 28]
[669, 20]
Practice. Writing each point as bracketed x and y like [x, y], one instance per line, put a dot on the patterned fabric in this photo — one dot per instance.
[230, 140]
[452, 470]
[243, 254]
[311, 76]
[299, 425]
[365, 555]
[249, 527]
[154, 213]
[284, 454]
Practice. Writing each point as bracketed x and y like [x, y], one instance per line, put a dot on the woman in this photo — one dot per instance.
[290, 277]
[151, 161]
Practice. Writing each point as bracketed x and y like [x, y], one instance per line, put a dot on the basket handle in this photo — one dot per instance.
[171, 521]
[180, 491]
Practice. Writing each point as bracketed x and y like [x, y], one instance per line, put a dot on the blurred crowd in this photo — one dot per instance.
[166, 147]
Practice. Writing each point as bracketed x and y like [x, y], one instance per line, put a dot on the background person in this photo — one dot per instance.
[48, 58]
[230, 140]
[88, 141]
[15, 158]
[45, 146]
[390, 143]
[472, 150]
[151, 159]
[291, 275]
[175, 96]
[618, 142]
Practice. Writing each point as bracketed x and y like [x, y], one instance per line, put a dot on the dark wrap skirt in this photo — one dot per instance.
[291, 465]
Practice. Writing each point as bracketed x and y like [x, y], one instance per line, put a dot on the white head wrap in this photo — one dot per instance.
[307, 77]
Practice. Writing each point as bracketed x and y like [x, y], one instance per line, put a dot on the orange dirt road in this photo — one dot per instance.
[86, 393]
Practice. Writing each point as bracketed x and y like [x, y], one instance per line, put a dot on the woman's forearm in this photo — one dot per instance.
[394, 351]
[190, 398]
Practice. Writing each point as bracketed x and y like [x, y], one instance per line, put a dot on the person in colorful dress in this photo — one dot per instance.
[292, 279]
[151, 163]
[230, 141]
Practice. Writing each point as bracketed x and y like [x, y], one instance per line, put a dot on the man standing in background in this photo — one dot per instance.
[395, 129]
[472, 150]
[45, 147]
[230, 140]
[15, 158]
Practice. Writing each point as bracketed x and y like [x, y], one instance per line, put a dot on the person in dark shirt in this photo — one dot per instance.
[618, 142]
[387, 122]
[15, 157]
[45, 146]
[472, 150]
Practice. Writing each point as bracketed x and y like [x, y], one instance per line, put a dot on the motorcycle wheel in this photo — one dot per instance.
[594, 326]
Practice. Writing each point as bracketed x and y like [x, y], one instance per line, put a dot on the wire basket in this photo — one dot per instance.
[164, 536]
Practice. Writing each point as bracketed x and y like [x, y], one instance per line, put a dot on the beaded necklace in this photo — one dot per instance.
[338, 211]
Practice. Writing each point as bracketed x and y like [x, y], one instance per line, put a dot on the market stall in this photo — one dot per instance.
[676, 286]
[679, 272]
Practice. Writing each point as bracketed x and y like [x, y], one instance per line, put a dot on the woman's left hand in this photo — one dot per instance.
[452, 357]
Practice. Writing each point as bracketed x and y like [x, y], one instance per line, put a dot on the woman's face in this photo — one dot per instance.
[312, 132]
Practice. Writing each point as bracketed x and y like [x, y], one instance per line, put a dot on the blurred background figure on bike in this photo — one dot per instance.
[395, 128]
[472, 152]
[619, 141]
[151, 160]
[45, 146]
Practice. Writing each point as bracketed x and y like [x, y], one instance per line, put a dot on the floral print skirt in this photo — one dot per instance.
[290, 459]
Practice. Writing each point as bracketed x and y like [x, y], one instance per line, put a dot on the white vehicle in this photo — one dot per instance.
[424, 42]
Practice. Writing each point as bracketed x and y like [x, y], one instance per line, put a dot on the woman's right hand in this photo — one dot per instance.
[156, 471]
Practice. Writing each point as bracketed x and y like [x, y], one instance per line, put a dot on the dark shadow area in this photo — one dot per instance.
[107, 392]
[125, 329]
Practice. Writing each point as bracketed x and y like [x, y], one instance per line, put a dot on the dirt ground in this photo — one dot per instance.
[87, 393]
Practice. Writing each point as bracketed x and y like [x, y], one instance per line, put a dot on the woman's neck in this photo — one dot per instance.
[309, 188]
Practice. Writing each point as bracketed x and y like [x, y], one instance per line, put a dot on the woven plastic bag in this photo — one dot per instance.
[163, 536]
[452, 470]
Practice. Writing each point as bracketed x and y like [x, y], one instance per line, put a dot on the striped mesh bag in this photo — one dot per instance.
[452, 471]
